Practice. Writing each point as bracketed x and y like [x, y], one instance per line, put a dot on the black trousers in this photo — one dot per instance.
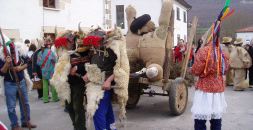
[75, 108]
[40, 93]
[201, 124]
[251, 75]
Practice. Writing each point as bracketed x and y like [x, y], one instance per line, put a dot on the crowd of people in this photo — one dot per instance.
[240, 74]
[42, 58]
[75, 64]
[86, 71]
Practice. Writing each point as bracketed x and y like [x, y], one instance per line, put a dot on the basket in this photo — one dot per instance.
[37, 84]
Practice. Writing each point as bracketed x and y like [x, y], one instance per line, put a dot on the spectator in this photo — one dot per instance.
[27, 42]
[11, 88]
[36, 70]
[46, 60]
[200, 42]
[179, 51]
[32, 49]
[249, 48]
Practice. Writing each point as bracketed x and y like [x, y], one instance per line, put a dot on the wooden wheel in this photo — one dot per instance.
[178, 97]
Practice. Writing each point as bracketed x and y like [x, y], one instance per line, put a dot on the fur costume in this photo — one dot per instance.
[149, 47]
[229, 76]
[94, 92]
[120, 71]
[22, 50]
[240, 61]
[62, 68]
[240, 58]
[60, 76]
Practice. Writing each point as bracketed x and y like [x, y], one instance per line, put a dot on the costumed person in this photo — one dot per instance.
[46, 60]
[227, 48]
[12, 54]
[240, 62]
[210, 65]
[108, 73]
[73, 73]
[147, 43]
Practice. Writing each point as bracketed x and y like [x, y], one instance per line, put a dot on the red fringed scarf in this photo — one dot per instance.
[92, 41]
[61, 42]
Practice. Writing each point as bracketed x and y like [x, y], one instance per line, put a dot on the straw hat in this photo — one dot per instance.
[226, 40]
[238, 41]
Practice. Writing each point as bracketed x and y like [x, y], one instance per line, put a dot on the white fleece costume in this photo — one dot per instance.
[121, 72]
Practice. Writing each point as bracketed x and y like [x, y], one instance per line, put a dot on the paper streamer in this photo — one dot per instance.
[227, 3]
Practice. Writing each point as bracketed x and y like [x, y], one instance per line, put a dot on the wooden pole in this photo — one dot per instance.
[189, 47]
[168, 49]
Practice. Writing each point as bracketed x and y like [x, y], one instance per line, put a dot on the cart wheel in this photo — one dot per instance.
[178, 96]
[134, 93]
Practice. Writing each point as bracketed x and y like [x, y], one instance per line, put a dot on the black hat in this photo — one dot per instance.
[139, 22]
[27, 41]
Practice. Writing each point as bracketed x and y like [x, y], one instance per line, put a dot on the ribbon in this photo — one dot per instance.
[214, 38]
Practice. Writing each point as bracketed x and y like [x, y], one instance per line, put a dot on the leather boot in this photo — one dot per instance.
[26, 125]
[17, 128]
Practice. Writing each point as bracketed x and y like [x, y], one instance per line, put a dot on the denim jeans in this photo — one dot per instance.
[11, 94]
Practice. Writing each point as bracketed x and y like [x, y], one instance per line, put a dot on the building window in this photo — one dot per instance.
[49, 3]
[120, 16]
[178, 13]
[184, 16]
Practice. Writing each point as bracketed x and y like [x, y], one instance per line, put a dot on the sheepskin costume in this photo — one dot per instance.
[60, 76]
[62, 69]
[121, 72]
[22, 50]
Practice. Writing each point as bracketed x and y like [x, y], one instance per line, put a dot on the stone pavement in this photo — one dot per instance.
[152, 113]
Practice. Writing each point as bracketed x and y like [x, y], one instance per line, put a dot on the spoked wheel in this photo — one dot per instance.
[178, 97]
[134, 93]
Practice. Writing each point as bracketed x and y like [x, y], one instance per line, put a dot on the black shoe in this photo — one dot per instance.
[66, 110]
[25, 125]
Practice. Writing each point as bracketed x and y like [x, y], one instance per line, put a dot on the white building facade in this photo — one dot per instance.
[30, 19]
[153, 8]
[246, 34]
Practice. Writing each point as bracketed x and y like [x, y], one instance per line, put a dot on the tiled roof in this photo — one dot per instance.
[184, 3]
[248, 29]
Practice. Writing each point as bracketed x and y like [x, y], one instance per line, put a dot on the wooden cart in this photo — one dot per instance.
[175, 89]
